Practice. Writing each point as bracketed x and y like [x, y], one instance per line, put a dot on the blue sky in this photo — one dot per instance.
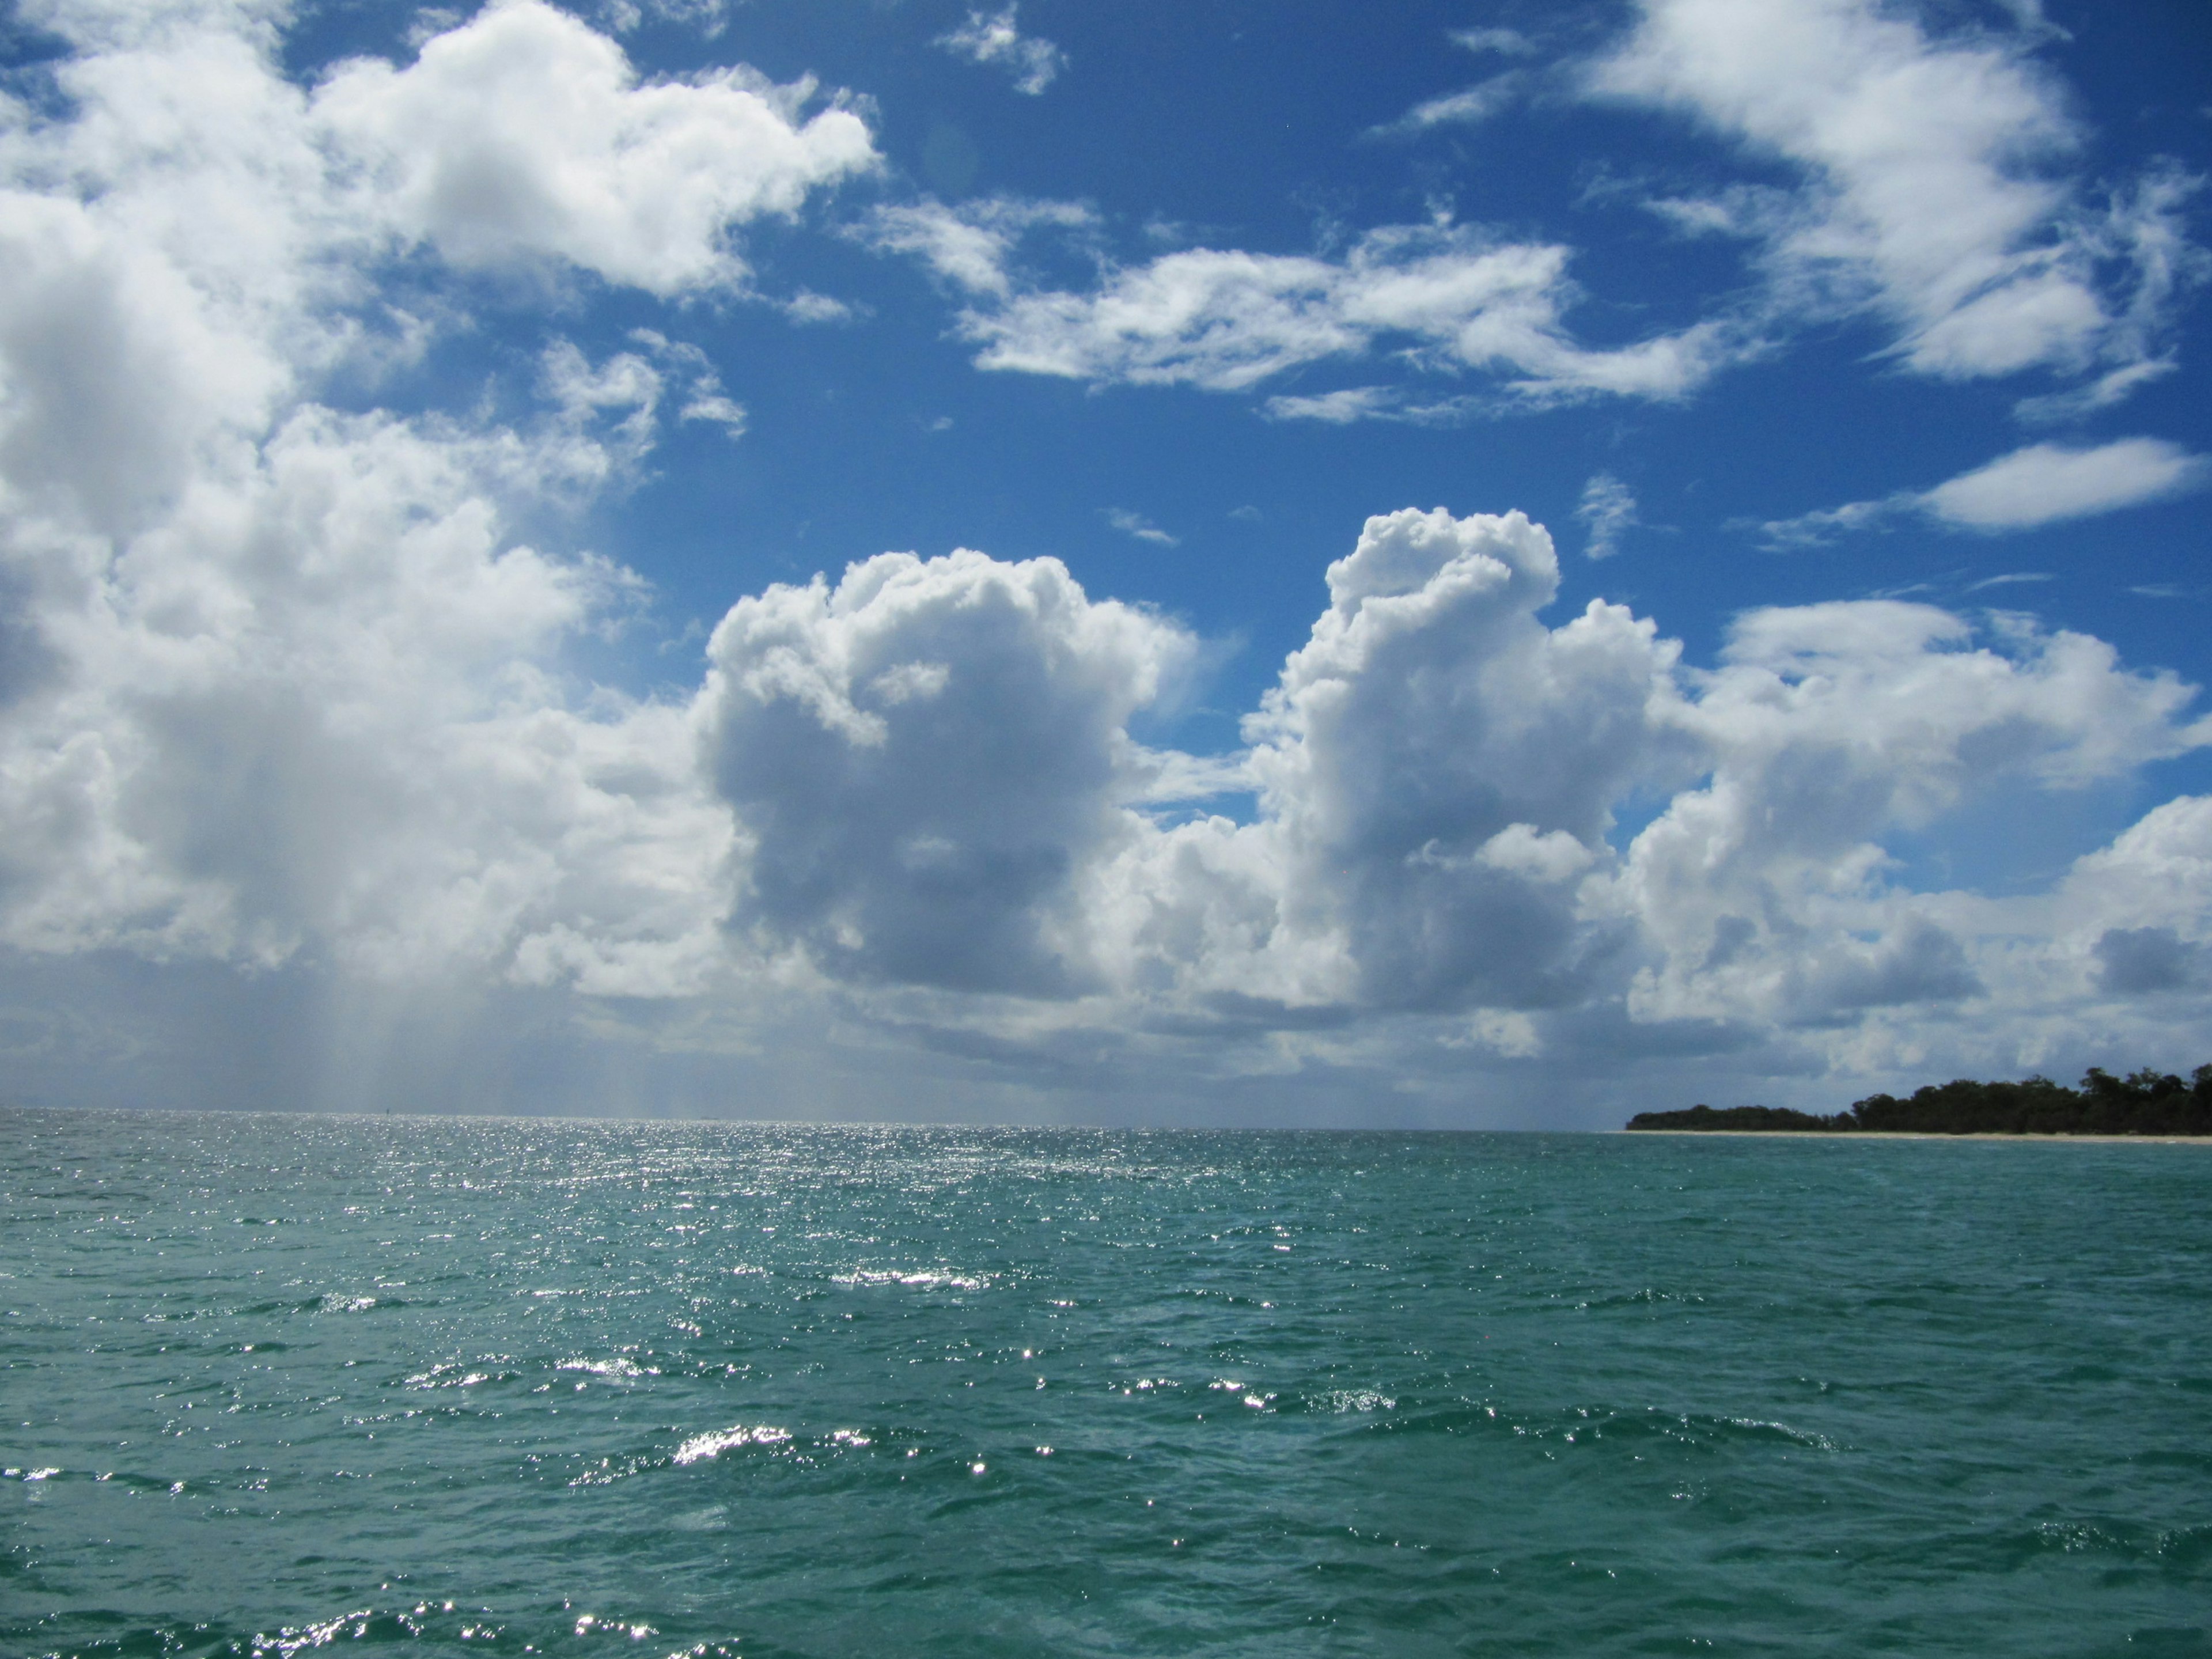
[395, 404]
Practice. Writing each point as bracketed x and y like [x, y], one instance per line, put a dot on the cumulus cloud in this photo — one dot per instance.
[1941, 190]
[1438, 774]
[994, 39]
[287, 695]
[524, 136]
[1436, 765]
[2039, 484]
[2135, 961]
[927, 758]
[284, 687]
[1830, 727]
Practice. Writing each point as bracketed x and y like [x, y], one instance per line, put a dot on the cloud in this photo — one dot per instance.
[2044, 483]
[1938, 189]
[929, 758]
[994, 38]
[2039, 484]
[292, 714]
[1135, 524]
[1469, 107]
[2133, 962]
[1382, 403]
[1940, 185]
[1505, 43]
[971, 246]
[1608, 508]
[1829, 726]
[1437, 775]
[284, 691]
[1339, 408]
[1227, 320]
[709, 17]
[1436, 766]
[524, 136]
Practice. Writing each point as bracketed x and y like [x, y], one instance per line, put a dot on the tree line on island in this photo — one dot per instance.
[2144, 1103]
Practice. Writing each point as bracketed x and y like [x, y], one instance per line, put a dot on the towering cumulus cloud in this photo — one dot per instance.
[931, 765]
[928, 758]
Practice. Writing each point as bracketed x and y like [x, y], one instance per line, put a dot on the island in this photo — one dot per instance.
[2144, 1103]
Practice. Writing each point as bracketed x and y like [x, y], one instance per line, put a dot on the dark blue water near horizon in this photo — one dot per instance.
[274, 1385]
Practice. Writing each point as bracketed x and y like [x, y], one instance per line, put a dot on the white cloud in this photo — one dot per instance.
[1767, 890]
[709, 17]
[970, 246]
[2039, 484]
[1437, 773]
[994, 39]
[1505, 43]
[1226, 320]
[1340, 408]
[524, 136]
[1469, 107]
[1435, 763]
[929, 758]
[282, 688]
[2044, 483]
[1137, 525]
[808, 306]
[1940, 185]
[288, 701]
[1608, 508]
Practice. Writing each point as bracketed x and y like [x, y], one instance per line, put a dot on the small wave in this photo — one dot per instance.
[1245, 1396]
[297, 1639]
[1763, 1426]
[701, 1448]
[334, 1303]
[1357, 1400]
[625, 1369]
[924, 1281]
[451, 1376]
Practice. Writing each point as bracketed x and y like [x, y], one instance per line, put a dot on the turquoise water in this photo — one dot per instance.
[274, 1384]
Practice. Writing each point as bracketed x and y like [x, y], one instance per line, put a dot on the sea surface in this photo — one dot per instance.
[273, 1385]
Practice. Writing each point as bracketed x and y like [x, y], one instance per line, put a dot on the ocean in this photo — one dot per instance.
[271, 1384]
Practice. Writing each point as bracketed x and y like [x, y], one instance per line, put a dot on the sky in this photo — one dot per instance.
[1464, 565]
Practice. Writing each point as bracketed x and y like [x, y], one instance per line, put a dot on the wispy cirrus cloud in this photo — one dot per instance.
[1478, 103]
[1469, 107]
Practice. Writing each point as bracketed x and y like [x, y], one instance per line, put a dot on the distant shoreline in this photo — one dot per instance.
[1928, 1134]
